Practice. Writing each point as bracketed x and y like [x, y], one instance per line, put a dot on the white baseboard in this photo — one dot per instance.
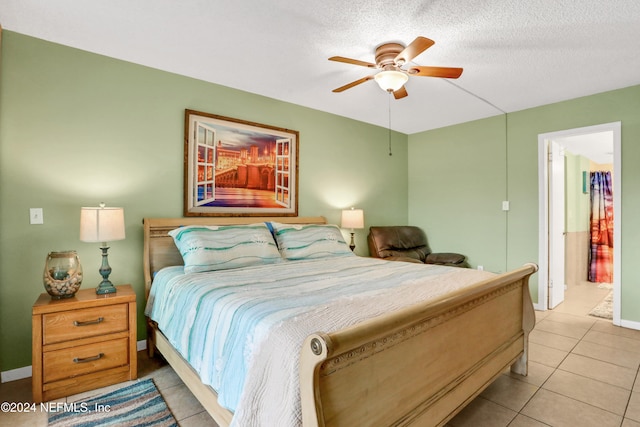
[630, 324]
[25, 372]
[15, 374]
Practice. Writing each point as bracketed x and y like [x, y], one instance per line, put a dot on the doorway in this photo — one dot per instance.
[588, 142]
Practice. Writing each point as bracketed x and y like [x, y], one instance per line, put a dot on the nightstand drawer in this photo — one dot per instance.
[87, 322]
[70, 362]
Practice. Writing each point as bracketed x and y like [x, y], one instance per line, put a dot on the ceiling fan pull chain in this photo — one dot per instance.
[390, 94]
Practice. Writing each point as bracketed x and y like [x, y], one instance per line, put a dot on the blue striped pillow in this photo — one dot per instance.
[209, 248]
[310, 241]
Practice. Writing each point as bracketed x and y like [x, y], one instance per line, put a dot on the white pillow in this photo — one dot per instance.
[310, 241]
[209, 248]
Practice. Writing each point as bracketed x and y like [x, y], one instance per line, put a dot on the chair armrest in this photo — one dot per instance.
[402, 258]
[446, 258]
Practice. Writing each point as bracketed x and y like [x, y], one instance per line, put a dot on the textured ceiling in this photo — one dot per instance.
[516, 54]
[597, 147]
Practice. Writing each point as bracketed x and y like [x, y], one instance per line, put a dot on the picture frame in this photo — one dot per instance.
[234, 167]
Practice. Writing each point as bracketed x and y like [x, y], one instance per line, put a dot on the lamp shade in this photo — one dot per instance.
[391, 80]
[352, 218]
[101, 224]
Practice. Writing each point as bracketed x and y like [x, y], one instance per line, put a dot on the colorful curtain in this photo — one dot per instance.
[601, 256]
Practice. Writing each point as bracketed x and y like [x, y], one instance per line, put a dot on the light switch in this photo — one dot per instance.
[36, 216]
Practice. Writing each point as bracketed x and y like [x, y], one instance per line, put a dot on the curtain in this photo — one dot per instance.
[601, 255]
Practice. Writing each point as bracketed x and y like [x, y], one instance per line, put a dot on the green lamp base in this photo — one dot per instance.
[105, 287]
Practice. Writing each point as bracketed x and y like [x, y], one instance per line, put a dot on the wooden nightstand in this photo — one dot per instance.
[83, 343]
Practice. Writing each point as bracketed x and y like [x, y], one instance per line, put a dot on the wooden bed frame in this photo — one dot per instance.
[420, 365]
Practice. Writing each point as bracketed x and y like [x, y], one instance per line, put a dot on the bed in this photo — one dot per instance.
[417, 364]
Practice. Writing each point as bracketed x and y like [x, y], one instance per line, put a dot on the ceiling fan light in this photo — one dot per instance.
[391, 80]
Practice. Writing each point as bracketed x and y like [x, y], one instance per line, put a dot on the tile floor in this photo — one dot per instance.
[583, 371]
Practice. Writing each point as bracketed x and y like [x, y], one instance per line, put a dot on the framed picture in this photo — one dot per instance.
[237, 168]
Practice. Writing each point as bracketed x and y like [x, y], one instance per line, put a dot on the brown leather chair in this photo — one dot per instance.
[408, 243]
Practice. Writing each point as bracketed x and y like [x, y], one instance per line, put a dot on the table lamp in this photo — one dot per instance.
[352, 218]
[102, 224]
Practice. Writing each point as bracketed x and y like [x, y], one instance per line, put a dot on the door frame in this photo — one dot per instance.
[556, 220]
[543, 204]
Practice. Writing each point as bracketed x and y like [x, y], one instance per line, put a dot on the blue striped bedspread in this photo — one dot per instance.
[242, 329]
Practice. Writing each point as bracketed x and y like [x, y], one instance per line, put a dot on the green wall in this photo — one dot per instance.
[77, 129]
[456, 189]
[459, 175]
[577, 202]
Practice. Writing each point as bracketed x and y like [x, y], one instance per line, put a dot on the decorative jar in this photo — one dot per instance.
[62, 274]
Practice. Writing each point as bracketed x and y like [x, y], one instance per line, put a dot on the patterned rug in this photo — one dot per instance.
[139, 404]
[605, 308]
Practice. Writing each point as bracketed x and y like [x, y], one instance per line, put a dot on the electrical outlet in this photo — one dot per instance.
[481, 267]
[36, 216]
[505, 205]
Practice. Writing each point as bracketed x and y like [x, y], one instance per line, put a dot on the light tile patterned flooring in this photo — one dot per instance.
[583, 371]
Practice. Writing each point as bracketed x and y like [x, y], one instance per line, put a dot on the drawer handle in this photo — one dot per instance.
[87, 359]
[90, 322]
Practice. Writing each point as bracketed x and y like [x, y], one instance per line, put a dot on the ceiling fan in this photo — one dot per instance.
[390, 58]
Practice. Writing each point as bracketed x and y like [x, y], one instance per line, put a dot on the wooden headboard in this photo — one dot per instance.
[160, 251]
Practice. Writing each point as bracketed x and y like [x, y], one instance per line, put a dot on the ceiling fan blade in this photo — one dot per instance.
[419, 45]
[352, 84]
[352, 61]
[446, 72]
[400, 93]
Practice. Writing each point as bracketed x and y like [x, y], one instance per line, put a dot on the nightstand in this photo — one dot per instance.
[83, 343]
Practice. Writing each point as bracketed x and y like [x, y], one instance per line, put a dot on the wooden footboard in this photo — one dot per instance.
[421, 365]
